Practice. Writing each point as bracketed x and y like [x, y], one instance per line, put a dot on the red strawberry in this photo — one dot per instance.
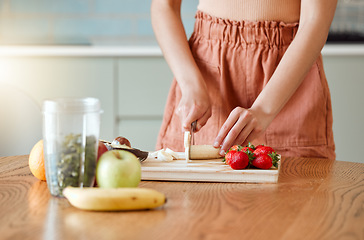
[245, 149]
[235, 148]
[228, 156]
[259, 146]
[237, 159]
[263, 150]
[263, 161]
[249, 151]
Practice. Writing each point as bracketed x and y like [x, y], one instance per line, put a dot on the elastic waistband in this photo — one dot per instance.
[271, 33]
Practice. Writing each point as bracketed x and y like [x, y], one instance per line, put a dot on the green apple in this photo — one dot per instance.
[118, 168]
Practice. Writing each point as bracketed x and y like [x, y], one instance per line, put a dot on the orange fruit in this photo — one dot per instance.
[36, 161]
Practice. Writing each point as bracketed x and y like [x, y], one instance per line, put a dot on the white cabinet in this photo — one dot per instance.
[143, 85]
[132, 91]
[26, 81]
[345, 75]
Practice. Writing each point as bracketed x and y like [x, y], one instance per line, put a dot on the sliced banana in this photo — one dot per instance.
[155, 153]
[164, 156]
[173, 153]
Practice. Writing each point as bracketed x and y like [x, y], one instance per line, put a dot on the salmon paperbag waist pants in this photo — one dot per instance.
[237, 59]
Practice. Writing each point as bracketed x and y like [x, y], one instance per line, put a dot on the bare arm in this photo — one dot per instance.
[315, 20]
[171, 36]
[244, 125]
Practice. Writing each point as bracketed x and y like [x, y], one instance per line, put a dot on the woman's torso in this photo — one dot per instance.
[253, 10]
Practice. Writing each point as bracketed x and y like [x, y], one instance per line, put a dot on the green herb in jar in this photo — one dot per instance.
[77, 164]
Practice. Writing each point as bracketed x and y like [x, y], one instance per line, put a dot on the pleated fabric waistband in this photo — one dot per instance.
[270, 33]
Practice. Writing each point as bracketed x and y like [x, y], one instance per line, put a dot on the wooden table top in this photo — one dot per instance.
[313, 199]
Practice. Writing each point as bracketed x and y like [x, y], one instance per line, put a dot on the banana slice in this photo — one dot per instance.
[114, 199]
[173, 153]
[155, 153]
[164, 156]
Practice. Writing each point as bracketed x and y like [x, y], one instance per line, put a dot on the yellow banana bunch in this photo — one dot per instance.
[114, 199]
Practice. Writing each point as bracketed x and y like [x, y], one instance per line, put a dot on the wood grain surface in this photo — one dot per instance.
[313, 199]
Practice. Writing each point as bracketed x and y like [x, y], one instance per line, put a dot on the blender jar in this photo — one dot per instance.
[71, 129]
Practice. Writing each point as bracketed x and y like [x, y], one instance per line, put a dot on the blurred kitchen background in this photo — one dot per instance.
[81, 22]
[107, 49]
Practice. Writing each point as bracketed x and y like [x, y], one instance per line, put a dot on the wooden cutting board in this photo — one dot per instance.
[204, 171]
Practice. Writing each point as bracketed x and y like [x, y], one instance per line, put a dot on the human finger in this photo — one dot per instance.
[200, 114]
[182, 112]
[240, 129]
[203, 120]
[226, 127]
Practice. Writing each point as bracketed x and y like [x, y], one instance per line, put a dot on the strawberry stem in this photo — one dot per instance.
[275, 159]
[251, 145]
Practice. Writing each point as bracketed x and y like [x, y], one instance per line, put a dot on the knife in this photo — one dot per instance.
[193, 129]
[188, 139]
[141, 155]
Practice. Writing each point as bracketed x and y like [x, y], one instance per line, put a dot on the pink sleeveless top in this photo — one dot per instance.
[253, 10]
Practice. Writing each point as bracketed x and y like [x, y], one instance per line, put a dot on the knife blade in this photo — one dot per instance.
[193, 129]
